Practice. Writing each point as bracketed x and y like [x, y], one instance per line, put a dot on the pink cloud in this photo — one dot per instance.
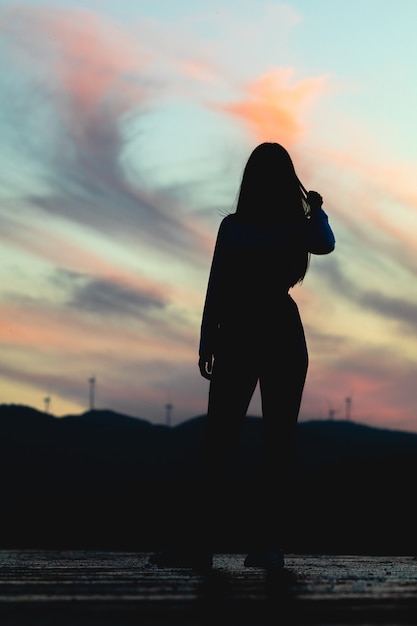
[89, 70]
[273, 108]
[89, 55]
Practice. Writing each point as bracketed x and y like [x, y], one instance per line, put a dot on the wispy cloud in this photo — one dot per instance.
[91, 81]
[107, 297]
[400, 310]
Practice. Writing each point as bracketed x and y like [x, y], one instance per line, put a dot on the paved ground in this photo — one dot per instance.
[91, 588]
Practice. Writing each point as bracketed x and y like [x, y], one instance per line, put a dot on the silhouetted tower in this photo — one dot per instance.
[92, 383]
[168, 408]
[47, 401]
[332, 411]
[348, 407]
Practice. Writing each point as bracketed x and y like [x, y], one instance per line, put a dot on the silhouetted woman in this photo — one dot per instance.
[251, 332]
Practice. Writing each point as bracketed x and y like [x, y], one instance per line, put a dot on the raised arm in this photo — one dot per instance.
[319, 235]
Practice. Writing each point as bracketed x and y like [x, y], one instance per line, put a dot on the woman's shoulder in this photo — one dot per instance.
[230, 218]
[227, 223]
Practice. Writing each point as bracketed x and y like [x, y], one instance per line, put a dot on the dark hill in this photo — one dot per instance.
[110, 420]
[102, 479]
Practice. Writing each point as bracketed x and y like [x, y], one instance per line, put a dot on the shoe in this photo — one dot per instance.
[268, 559]
[186, 558]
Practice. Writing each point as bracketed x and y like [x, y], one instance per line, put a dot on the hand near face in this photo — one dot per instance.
[314, 200]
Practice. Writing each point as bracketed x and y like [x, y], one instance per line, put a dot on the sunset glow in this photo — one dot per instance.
[125, 129]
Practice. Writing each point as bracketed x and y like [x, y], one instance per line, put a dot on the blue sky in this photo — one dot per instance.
[125, 128]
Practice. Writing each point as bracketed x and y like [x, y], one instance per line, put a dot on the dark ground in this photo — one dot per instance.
[97, 588]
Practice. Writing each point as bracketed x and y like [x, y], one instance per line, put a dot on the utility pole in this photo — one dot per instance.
[168, 408]
[47, 401]
[332, 413]
[348, 407]
[92, 382]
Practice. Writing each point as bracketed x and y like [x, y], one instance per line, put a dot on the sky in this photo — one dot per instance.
[125, 127]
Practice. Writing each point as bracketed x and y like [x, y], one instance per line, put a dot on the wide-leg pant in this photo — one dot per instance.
[272, 351]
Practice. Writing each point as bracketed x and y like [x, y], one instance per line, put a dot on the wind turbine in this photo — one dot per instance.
[332, 411]
[168, 409]
[92, 382]
[348, 407]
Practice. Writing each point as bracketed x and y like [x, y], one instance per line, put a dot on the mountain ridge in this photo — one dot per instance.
[104, 479]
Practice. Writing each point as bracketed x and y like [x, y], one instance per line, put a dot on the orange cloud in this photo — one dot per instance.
[273, 108]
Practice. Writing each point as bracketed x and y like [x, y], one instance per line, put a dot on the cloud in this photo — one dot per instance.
[95, 78]
[92, 81]
[400, 310]
[395, 309]
[272, 106]
[109, 297]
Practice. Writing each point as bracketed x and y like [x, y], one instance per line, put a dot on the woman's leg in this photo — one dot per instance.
[282, 379]
[231, 389]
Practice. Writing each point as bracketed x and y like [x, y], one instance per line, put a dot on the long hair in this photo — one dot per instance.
[270, 191]
[270, 187]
